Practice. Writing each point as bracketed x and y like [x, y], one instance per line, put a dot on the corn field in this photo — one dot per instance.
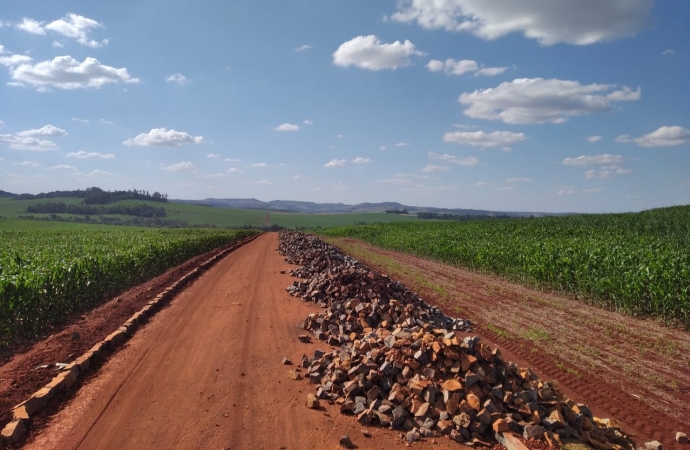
[46, 275]
[637, 263]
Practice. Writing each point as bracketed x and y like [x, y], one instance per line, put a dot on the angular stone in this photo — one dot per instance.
[452, 385]
[445, 427]
[500, 426]
[681, 438]
[412, 436]
[312, 401]
[473, 401]
[653, 445]
[510, 441]
[345, 442]
[533, 432]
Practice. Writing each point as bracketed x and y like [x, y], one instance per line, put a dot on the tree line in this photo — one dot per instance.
[140, 210]
[97, 196]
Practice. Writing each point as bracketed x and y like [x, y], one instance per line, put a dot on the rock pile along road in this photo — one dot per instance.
[223, 367]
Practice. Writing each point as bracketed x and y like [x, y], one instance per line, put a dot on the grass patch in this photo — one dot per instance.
[536, 334]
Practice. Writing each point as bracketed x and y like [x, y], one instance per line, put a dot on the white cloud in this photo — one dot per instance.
[183, 166]
[76, 119]
[666, 136]
[46, 131]
[212, 176]
[27, 143]
[536, 100]
[504, 188]
[360, 160]
[287, 127]
[335, 163]
[98, 172]
[31, 26]
[29, 164]
[453, 67]
[81, 154]
[368, 52]
[162, 137]
[234, 170]
[432, 168]
[435, 65]
[383, 147]
[77, 27]
[395, 180]
[481, 184]
[466, 161]
[402, 144]
[341, 136]
[570, 191]
[668, 52]
[105, 122]
[258, 182]
[490, 71]
[2, 124]
[63, 167]
[232, 160]
[14, 60]
[262, 164]
[57, 44]
[483, 139]
[593, 139]
[213, 155]
[579, 22]
[308, 122]
[177, 78]
[520, 180]
[606, 172]
[594, 160]
[302, 48]
[65, 72]
[297, 177]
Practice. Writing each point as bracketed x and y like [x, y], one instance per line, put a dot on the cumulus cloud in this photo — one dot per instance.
[666, 136]
[65, 72]
[287, 127]
[466, 161]
[360, 160]
[483, 139]
[402, 144]
[262, 164]
[341, 136]
[31, 26]
[183, 166]
[368, 52]
[16, 142]
[234, 170]
[570, 191]
[481, 184]
[258, 182]
[668, 52]
[504, 188]
[520, 180]
[81, 154]
[593, 160]
[213, 155]
[77, 27]
[46, 131]
[177, 78]
[29, 164]
[302, 48]
[453, 67]
[76, 119]
[579, 22]
[432, 168]
[14, 60]
[63, 167]
[335, 163]
[593, 139]
[162, 137]
[536, 100]
[308, 122]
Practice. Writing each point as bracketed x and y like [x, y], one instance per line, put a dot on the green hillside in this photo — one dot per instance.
[192, 215]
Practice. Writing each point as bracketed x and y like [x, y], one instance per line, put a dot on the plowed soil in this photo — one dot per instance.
[634, 371]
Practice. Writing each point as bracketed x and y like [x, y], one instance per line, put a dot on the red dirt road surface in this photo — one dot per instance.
[207, 372]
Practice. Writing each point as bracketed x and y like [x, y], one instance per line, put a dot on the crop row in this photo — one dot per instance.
[634, 263]
[47, 275]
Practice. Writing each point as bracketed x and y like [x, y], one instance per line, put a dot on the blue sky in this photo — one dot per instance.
[531, 105]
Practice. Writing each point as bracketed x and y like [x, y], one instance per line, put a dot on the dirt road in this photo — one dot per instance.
[207, 373]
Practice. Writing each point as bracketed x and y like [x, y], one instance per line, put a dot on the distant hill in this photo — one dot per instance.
[334, 208]
[8, 194]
